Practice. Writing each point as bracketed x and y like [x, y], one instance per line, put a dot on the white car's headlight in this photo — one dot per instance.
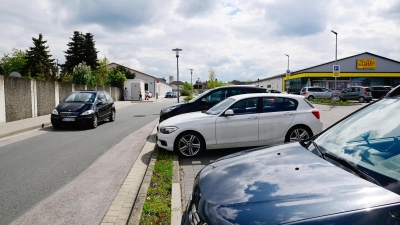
[168, 130]
[88, 112]
[55, 112]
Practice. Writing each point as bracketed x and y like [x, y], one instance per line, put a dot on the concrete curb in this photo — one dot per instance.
[176, 205]
[30, 128]
[136, 213]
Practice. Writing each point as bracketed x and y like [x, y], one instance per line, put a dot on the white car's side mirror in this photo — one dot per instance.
[229, 112]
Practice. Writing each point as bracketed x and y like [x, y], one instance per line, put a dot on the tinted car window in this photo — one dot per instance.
[315, 89]
[290, 104]
[245, 106]
[217, 96]
[272, 104]
[102, 97]
[355, 89]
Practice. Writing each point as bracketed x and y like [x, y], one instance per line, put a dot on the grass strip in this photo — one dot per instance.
[330, 102]
[157, 207]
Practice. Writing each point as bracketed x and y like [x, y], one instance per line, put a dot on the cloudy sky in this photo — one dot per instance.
[239, 39]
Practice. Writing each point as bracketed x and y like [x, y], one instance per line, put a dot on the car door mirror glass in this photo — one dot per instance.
[229, 112]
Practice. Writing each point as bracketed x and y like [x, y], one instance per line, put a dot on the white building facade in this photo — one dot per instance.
[157, 87]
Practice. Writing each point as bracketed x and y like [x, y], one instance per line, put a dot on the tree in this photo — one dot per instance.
[102, 71]
[89, 51]
[115, 79]
[82, 75]
[38, 63]
[15, 62]
[128, 74]
[74, 54]
[212, 79]
[187, 89]
[80, 49]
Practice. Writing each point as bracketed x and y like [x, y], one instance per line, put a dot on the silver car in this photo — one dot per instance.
[356, 93]
[315, 92]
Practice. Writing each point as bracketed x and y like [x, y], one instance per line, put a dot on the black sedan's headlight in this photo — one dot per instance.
[169, 109]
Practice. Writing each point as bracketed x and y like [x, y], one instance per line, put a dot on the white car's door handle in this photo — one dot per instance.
[252, 117]
[289, 114]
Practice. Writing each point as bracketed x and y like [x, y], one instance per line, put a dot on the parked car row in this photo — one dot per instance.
[347, 174]
[359, 93]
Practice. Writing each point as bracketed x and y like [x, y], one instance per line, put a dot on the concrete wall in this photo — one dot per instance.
[45, 97]
[18, 100]
[22, 98]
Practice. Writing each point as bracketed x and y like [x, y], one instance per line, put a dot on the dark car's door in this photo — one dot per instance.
[213, 98]
[110, 103]
[101, 105]
[378, 92]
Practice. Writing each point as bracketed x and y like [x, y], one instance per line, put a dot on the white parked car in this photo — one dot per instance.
[241, 121]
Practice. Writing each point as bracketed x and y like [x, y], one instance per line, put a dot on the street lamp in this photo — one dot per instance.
[191, 73]
[287, 63]
[177, 50]
[57, 66]
[335, 56]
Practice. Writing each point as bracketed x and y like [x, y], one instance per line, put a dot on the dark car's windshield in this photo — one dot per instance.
[369, 138]
[81, 97]
[200, 96]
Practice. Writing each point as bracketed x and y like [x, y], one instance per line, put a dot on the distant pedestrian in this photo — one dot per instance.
[140, 95]
[125, 94]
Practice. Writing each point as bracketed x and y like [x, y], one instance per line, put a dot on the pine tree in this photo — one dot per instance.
[74, 54]
[89, 51]
[38, 63]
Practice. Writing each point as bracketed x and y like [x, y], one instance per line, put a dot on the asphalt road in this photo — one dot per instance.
[36, 165]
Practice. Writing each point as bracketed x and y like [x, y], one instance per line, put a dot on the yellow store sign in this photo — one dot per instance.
[366, 63]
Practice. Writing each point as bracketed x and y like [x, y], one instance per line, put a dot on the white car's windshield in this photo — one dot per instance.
[200, 96]
[218, 108]
[369, 138]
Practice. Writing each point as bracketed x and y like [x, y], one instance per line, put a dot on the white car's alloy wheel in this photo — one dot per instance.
[297, 134]
[189, 144]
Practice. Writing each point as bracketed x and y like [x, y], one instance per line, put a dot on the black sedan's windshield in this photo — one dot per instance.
[369, 138]
[81, 97]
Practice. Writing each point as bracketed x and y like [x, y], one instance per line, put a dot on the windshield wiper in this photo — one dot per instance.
[346, 164]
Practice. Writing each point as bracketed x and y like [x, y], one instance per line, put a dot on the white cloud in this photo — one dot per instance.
[240, 40]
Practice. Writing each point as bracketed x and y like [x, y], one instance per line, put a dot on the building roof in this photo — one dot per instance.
[133, 70]
[176, 83]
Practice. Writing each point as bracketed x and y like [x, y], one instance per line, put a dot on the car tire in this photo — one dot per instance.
[310, 97]
[361, 99]
[112, 116]
[298, 133]
[189, 144]
[95, 122]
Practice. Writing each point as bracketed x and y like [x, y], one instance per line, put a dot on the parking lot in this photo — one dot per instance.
[189, 167]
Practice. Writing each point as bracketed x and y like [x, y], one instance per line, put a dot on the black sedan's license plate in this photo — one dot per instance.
[68, 119]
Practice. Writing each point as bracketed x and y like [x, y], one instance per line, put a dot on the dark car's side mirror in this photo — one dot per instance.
[229, 112]
[99, 102]
[203, 100]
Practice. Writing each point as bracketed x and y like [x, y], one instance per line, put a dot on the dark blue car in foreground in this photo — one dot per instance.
[348, 174]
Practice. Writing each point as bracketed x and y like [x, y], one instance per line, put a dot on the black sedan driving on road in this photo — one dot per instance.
[84, 107]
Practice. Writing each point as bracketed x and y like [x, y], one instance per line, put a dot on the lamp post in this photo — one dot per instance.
[335, 57]
[177, 50]
[57, 67]
[287, 62]
[191, 73]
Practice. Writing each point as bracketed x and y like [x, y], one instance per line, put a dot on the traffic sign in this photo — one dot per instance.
[287, 71]
[336, 70]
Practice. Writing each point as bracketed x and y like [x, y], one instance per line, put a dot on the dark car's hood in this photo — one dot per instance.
[281, 184]
[174, 105]
[74, 106]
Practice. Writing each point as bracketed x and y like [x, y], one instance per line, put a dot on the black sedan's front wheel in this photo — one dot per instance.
[189, 144]
[112, 116]
[94, 123]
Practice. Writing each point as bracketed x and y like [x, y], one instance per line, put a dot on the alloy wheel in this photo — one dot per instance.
[95, 121]
[189, 145]
[298, 134]
[361, 99]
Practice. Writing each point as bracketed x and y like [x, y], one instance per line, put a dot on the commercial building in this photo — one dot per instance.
[365, 69]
